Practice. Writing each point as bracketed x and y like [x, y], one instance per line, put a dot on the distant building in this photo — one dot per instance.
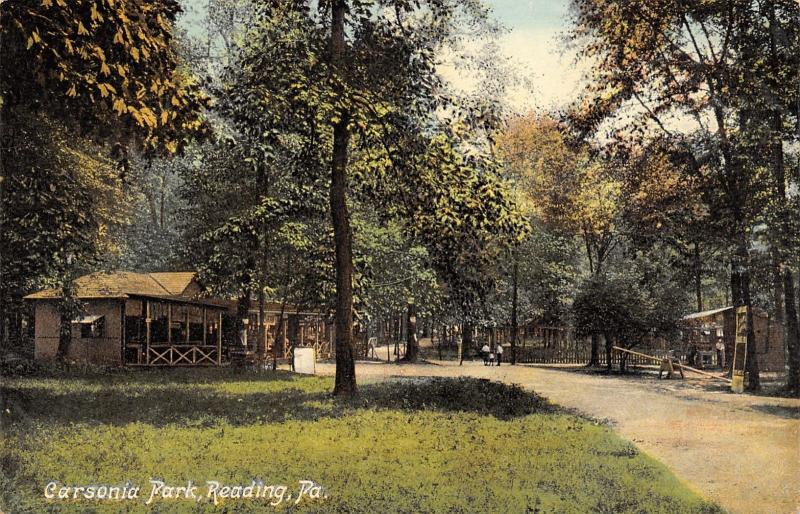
[704, 329]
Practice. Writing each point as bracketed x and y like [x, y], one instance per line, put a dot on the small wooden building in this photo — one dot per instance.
[301, 327]
[140, 319]
[703, 329]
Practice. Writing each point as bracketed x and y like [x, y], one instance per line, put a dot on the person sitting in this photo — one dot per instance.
[670, 363]
[485, 352]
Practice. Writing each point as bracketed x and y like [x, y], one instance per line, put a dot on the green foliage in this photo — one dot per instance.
[249, 223]
[710, 79]
[405, 159]
[391, 270]
[61, 200]
[82, 83]
[471, 445]
[643, 301]
[102, 65]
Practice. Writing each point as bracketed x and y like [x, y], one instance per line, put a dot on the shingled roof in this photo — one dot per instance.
[175, 282]
[122, 284]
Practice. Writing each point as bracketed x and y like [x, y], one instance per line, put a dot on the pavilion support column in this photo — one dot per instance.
[219, 340]
[148, 322]
[187, 325]
[316, 333]
[205, 326]
[169, 323]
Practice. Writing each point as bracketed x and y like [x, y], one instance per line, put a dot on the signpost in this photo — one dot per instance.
[739, 351]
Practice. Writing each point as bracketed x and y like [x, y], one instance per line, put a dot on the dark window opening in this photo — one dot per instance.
[93, 329]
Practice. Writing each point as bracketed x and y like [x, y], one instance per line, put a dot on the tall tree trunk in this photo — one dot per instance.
[345, 381]
[466, 342]
[777, 283]
[789, 315]
[743, 274]
[698, 277]
[792, 333]
[412, 343]
[64, 334]
[151, 204]
[441, 340]
[242, 314]
[514, 306]
[594, 357]
[261, 344]
[67, 309]
[736, 285]
[279, 334]
[608, 343]
[5, 319]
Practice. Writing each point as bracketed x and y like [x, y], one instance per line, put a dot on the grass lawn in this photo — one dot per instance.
[413, 446]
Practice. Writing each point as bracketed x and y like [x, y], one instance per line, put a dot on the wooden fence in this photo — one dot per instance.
[578, 353]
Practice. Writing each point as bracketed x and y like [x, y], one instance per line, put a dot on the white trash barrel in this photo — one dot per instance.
[305, 361]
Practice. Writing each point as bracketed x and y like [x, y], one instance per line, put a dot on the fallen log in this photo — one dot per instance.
[683, 366]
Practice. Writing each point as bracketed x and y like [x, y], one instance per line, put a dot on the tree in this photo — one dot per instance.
[694, 61]
[101, 66]
[639, 303]
[350, 77]
[770, 104]
[60, 203]
[106, 71]
[567, 186]
[393, 272]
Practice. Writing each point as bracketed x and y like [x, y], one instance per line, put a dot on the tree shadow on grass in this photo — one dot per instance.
[160, 400]
[162, 375]
[778, 410]
[480, 396]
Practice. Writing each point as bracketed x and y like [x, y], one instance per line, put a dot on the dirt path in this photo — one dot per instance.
[739, 450]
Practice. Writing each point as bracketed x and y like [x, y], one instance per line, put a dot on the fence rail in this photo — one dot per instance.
[183, 355]
[580, 354]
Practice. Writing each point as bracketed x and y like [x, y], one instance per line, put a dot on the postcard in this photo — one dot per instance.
[407, 256]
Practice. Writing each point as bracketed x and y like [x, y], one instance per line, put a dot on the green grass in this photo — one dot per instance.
[443, 445]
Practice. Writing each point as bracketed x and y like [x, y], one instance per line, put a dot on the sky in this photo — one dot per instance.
[534, 45]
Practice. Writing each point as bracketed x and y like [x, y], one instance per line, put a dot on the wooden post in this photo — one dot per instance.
[148, 322]
[205, 328]
[169, 323]
[187, 324]
[122, 335]
[263, 328]
[285, 335]
[219, 340]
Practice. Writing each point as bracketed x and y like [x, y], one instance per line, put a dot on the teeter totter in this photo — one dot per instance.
[669, 364]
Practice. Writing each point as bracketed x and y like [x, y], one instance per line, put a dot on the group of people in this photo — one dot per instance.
[489, 357]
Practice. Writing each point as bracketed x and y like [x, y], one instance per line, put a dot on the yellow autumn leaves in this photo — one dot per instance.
[557, 183]
[115, 56]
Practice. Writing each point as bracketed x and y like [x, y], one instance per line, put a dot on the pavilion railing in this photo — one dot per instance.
[183, 355]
